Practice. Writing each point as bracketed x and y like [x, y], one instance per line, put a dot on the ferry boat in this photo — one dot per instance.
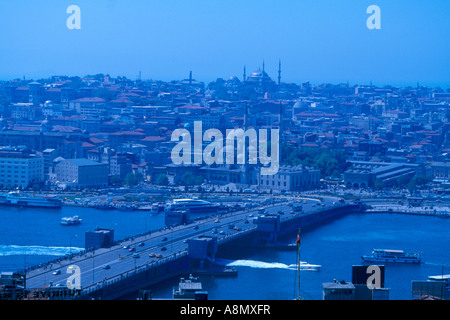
[388, 255]
[193, 205]
[189, 289]
[157, 207]
[71, 221]
[22, 200]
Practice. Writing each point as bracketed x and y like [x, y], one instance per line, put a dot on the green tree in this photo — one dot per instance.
[189, 179]
[115, 180]
[403, 181]
[378, 184]
[133, 179]
[329, 162]
[162, 180]
[130, 179]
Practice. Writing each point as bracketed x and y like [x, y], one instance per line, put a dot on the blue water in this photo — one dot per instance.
[265, 274]
[30, 236]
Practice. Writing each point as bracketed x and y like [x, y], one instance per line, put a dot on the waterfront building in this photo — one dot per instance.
[291, 178]
[49, 155]
[363, 174]
[82, 173]
[120, 166]
[20, 167]
[440, 170]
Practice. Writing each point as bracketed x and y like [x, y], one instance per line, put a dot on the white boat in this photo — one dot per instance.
[305, 266]
[71, 221]
[188, 288]
[389, 255]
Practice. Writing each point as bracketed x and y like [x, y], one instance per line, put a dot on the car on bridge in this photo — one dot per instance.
[140, 244]
[164, 239]
[159, 256]
[163, 249]
[132, 249]
[152, 255]
[106, 267]
[56, 272]
[135, 255]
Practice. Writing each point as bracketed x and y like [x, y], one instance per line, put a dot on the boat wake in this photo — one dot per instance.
[267, 265]
[14, 250]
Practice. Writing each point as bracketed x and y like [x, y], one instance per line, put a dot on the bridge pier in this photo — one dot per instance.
[268, 227]
[202, 251]
[175, 218]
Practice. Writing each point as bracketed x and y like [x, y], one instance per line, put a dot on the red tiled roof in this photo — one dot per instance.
[89, 99]
[87, 145]
[153, 139]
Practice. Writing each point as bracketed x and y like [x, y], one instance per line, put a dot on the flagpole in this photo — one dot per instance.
[298, 263]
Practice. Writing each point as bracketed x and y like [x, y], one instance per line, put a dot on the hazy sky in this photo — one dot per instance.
[316, 40]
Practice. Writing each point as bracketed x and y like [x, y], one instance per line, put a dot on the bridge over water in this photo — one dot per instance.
[111, 273]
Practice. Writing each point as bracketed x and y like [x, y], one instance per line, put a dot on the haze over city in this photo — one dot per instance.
[317, 41]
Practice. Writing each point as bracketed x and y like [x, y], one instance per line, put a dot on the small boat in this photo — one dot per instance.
[157, 207]
[389, 255]
[190, 288]
[305, 266]
[70, 221]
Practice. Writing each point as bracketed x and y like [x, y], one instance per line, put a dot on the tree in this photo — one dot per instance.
[378, 184]
[403, 181]
[329, 162]
[130, 179]
[162, 180]
[115, 180]
[418, 180]
[133, 179]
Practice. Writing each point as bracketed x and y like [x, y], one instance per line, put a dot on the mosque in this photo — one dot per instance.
[261, 81]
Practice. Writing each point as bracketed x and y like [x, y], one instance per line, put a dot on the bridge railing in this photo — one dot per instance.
[130, 273]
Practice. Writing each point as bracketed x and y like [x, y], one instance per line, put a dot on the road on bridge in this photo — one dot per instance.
[107, 263]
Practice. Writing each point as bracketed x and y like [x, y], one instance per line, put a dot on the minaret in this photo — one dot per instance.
[279, 72]
[190, 77]
[245, 74]
[263, 68]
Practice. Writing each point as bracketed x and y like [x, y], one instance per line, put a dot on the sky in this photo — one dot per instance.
[316, 40]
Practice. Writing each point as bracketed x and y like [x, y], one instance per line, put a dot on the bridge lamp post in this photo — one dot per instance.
[70, 246]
